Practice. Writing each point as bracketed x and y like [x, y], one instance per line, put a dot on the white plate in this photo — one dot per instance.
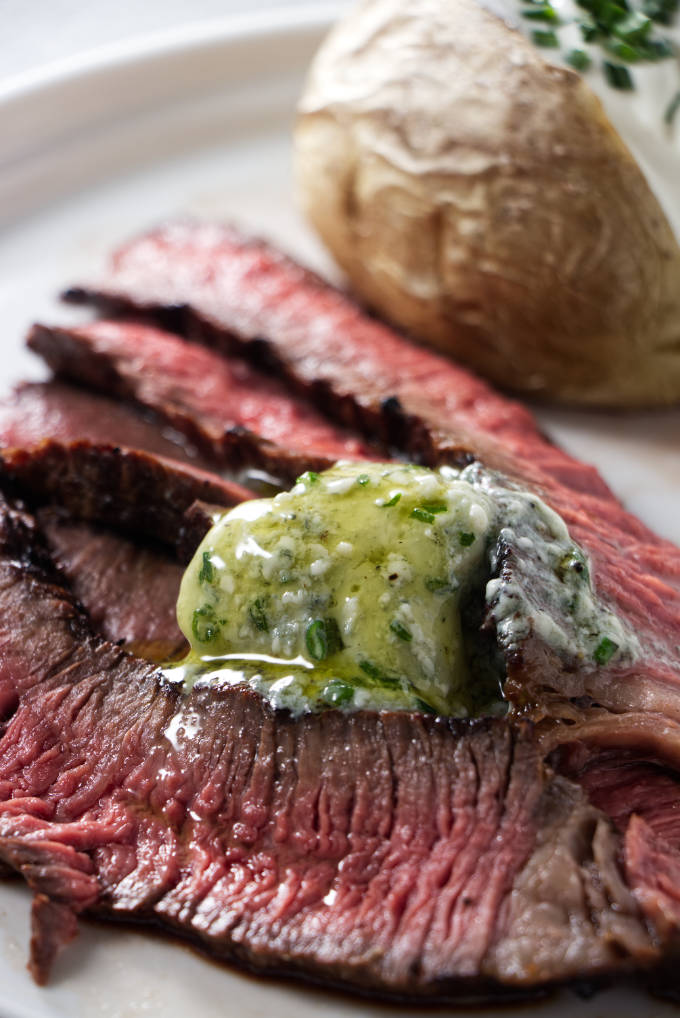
[198, 121]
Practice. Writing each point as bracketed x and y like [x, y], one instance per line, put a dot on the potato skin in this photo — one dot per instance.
[478, 197]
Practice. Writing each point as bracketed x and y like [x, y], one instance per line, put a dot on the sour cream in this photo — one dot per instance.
[638, 114]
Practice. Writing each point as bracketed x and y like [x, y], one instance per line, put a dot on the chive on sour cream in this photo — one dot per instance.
[367, 586]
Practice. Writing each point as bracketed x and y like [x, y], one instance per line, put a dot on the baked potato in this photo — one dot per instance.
[478, 197]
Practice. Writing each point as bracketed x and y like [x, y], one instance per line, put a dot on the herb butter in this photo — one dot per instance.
[369, 586]
[358, 573]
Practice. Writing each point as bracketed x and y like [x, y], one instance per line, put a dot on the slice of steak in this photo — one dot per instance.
[129, 591]
[625, 783]
[239, 294]
[234, 413]
[393, 853]
[243, 296]
[127, 489]
[38, 410]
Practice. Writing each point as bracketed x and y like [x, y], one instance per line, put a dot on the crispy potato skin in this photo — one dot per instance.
[479, 198]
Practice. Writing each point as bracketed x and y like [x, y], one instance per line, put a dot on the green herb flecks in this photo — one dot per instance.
[337, 693]
[622, 32]
[578, 59]
[545, 38]
[401, 631]
[426, 708]
[661, 11]
[309, 477]
[618, 76]
[370, 669]
[423, 515]
[437, 585]
[205, 625]
[363, 480]
[323, 639]
[392, 501]
[206, 573]
[466, 538]
[544, 12]
[258, 615]
[605, 651]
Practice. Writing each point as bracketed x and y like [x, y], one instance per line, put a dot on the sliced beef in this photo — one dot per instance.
[232, 412]
[124, 488]
[240, 295]
[394, 853]
[35, 411]
[625, 783]
[128, 590]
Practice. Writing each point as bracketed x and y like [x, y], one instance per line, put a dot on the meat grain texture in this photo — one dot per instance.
[395, 854]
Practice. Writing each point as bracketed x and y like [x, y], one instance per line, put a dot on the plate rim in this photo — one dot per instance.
[114, 77]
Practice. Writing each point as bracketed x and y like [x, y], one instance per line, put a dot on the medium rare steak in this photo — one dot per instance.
[239, 294]
[128, 489]
[228, 409]
[38, 410]
[393, 853]
[128, 590]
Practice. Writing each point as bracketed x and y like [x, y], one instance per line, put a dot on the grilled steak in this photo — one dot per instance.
[104, 483]
[240, 295]
[231, 411]
[394, 853]
[128, 590]
[65, 413]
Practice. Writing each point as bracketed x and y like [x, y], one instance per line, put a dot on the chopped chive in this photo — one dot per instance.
[547, 39]
[389, 682]
[605, 650]
[309, 477]
[204, 625]
[634, 27]
[363, 479]
[672, 109]
[589, 31]
[323, 638]
[316, 641]
[423, 515]
[437, 585]
[392, 501]
[435, 507]
[624, 50]
[424, 707]
[336, 692]
[578, 59]
[541, 14]
[661, 11]
[206, 573]
[466, 538]
[370, 669]
[400, 631]
[258, 616]
[618, 76]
